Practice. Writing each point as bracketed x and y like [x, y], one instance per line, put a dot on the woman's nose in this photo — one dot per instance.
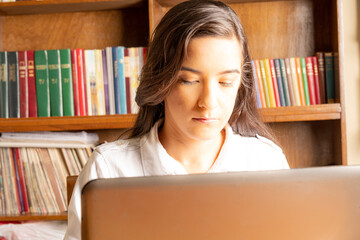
[208, 95]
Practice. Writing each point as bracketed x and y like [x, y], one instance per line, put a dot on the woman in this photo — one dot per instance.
[197, 106]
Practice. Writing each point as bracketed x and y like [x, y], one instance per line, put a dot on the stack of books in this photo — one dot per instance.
[33, 179]
[70, 82]
[296, 81]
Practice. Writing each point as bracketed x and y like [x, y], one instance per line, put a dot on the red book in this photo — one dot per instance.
[322, 76]
[316, 79]
[23, 84]
[75, 82]
[31, 84]
[274, 81]
[80, 59]
[22, 180]
[311, 80]
[127, 78]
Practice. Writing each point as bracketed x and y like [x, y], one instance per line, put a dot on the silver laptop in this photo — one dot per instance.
[312, 203]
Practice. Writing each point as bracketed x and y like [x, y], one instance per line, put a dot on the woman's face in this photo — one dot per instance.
[200, 104]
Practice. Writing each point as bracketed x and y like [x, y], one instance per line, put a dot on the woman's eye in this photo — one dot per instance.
[187, 82]
[226, 83]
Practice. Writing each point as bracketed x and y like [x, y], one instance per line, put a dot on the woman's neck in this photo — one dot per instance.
[196, 156]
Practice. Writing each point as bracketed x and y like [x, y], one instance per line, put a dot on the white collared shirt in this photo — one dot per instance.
[146, 156]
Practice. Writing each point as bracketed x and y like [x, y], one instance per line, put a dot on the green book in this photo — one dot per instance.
[56, 105]
[67, 83]
[263, 76]
[42, 83]
[329, 73]
[305, 81]
[4, 85]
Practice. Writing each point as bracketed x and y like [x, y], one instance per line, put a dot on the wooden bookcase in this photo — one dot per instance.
[309, 136]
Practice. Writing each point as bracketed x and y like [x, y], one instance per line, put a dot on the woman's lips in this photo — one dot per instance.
[205, 120]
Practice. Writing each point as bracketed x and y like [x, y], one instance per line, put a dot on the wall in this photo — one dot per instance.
[351, 24]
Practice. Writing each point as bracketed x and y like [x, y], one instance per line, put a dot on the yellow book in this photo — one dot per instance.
[100, 92]
[295, 82]
[269, 83]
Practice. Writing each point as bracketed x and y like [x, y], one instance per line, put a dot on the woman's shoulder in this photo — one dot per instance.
[121, 145]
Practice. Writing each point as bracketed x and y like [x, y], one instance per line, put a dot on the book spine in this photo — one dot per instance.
[128, 70]
[295, 82]
[260, 82]
[110, 70]
[17, 182]
[81, 81]
[55, 86]
[15, 206]
[290, 81]
[100, 93]
[276, 62]
[305, 81]
[329, 72]
[90, 82]
[311, 80]
[121, 78]
[106, 81]
[256, 80]
[269, 80]
[14, 93]
[336, 77]
[265, 83]
[23, 84]
[316, 79]
[322, 76]
[300, 81]
[42, 83]
[67, 83]
[285, 82]
[4, 85]
[75, 82]
[31, 84]
[20, 167]
[135, 58]
[275, 83]
[116, 80]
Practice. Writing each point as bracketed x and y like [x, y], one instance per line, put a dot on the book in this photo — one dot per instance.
[106, 81]
[110, 71]
[4, 85]
[13, 81]
[61, 172]
[322, 76]
[119, 80]
[260, 82]
[316, 79]
[300, 81]
[23, 84]
[100, 93]
[54, 65]
[263, 76]
[79, 83]
[295, 82]
[273, 93]
[336, 76]
[90, 81]
[287, 89]
[128, 75]
[305, 81]
[67, 83]
[20, 167]
[275, 63]
[311, 80]
[42, 83]
[256, 80]
[329, 72]
[19, 192]
[31, 84]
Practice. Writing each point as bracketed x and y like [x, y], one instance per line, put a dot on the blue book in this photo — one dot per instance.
[258, 100]
[119, 80]
[279, 82]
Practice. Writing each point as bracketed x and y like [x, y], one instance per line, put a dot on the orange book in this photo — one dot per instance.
[260, 83]
[300, 81]
[269, 83]
[275, 84]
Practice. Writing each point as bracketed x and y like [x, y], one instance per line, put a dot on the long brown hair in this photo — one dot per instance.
[185, 21]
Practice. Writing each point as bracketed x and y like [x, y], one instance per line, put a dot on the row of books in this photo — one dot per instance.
[33, 180]
[296, 81]
[69, 82]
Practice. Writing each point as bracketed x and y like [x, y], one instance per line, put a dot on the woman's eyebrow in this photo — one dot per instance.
[220, 73]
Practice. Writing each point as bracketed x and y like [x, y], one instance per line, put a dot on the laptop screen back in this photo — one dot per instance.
[312, 203]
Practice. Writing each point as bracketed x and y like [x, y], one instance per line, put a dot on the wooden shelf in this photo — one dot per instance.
[302, 113]
[34, 217]
[62, 6]
[282, 114]
[67, 123]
